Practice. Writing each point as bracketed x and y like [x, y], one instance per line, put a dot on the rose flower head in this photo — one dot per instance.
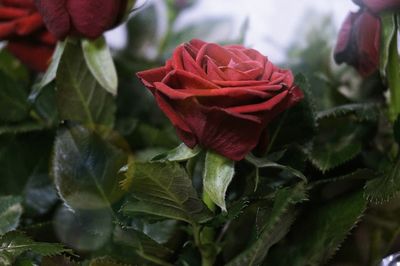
[377, 6]
[22, 26]
[221, 98]
[359, 42]
[83, 18]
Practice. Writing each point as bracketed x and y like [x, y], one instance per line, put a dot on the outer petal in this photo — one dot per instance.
[377, 6]
[343, 51]
[35, 56]
[231, 135]
[55, 16]
[7, 29]
[91, 18]
[359, 42]
[148, 77]
[368, 34]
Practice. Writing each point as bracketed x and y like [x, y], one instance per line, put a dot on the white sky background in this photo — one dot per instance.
[273, 24]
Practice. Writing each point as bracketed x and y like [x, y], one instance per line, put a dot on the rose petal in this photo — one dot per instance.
[179, 79]
[6, 29]
[148, 77]
[29, 24]
[11, 12]
[92, 17]
[36, 57]
[55, 16]
[228, 134]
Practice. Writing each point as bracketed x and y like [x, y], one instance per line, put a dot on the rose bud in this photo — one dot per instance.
[359, 42]
[22, 26]
[82, 18]
[377, 6]
[221, 98]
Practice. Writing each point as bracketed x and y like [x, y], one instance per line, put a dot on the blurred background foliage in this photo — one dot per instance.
[342, 142]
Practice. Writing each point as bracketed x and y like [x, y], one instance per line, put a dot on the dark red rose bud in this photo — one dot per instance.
[84, 18]
[28, 39]
[377, 6]
[221, 97]
[359, 42]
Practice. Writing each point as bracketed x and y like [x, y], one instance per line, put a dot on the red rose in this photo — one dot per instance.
[85, 18]
[377, 6]
[359, 42]
[22, 26]
[221, 97]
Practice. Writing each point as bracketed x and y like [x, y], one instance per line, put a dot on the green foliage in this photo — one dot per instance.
[326, 227]
[266, 163]
[388, 33]
[14, 106]
[105, 261]
[94, 228]
[360, 111]
[51, 72]
[105, 176]
[14, 244]
[163, 189]
[275, 226]
[58, 261]
[301, 116]
[80, 98]
[351, 124]
[99, 61]
[10, 213]
[218, 174]
[396, 130]
[385, 186]
[179, 154]
[142, 244]
[85, 168]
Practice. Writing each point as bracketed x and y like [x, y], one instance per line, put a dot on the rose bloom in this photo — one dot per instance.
[221, 97]
[377, 6]
[83, 18]
[359, 42]
[22, 26]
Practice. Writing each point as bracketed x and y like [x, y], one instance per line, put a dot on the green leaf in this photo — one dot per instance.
[20, 156]
[14, 244]
[164, 189]
[51, 71]
[385, 186]
[332, 148]
[14, 106]
[266, 163]
[105, 261]
[319, 232]
[85, 169]
[393, 74]
[40, 195]
[94, 228]
[388, 32]
[12, 67]
[361, 111]
[22, 127]
[140, 243]
[45, 105]
[301, 116]
[179, 154]
[218, 174]
[80, 97]
[59, 260]
[396, 129]
[99, 61]
[10, 213]
[234, 211]
[275, 226]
